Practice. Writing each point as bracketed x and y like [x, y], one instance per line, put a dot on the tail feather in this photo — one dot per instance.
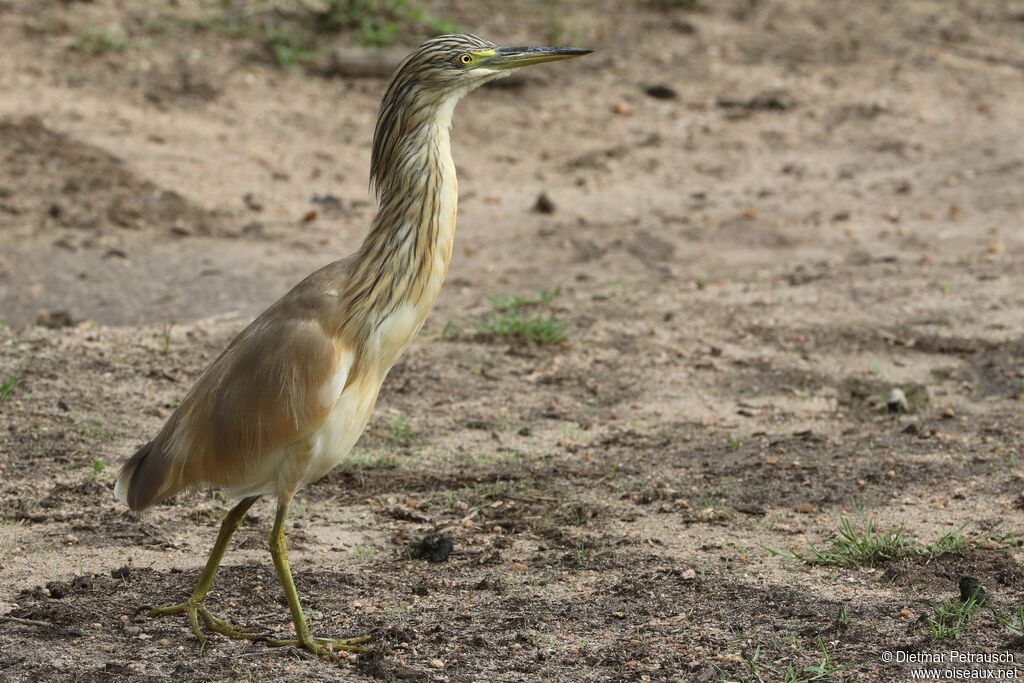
[140, 481]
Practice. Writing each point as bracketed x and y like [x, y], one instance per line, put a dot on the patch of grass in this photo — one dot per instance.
[368, 460]
[1012, 622]
[295, 33]
[453, 331]
[763, 672]
[94, 428]
[377, 22]
[289, 45]
[391, 433]
[950, 618]
[400, 432]
[517, 318]
[9, 382]
[842, 619]
[952, 541]
[586, 551]
[558, 30]
[98, 41]
[165, 338]
[367, 550]
[855, 547]
[97, 469]
[685, 5]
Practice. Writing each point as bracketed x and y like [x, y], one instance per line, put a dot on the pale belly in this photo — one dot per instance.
[334, 440]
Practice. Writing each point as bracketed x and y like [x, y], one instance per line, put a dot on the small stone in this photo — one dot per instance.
[805, 508]
[433, 549]
[251, 202]
[689, 575]
[622, 108]
[132, 630]
[71, 539]
[54, 319]
[996, 247]
[970, 587]
[948, 413]
[661, 92]
[544, 204]
[906, 614]
[897, 402]
[437, 663]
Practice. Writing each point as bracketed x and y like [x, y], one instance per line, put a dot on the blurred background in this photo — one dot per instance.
[752, 268]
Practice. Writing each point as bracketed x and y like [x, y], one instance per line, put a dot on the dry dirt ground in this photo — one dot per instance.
[821, 203]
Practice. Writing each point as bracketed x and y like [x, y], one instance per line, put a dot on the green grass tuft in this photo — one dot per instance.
[854, 547]
[296, 33]
[869, 547]
[952, 541]
[516, 318]
[763, 672]
[950, 618]
[9, 382]
[1012, 622]
[98, 41]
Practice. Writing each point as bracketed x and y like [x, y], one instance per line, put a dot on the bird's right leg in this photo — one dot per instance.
[194, 607]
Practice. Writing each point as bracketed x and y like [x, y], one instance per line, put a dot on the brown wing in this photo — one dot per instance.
[264, 392]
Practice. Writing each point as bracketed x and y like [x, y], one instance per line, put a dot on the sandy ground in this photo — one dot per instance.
[821, 204]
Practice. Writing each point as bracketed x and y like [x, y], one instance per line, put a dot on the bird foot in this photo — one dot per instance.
[196, 611]
[331, 648]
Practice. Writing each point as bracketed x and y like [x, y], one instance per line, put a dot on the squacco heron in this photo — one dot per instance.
[289, 397]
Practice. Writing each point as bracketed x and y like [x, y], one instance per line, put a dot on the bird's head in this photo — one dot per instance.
[457, 63]
[433, 78]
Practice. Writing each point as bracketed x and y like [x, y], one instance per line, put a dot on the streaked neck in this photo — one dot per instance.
[406, 253]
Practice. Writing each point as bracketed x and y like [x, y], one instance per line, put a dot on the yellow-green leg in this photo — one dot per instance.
[194, 607]
[326, 647]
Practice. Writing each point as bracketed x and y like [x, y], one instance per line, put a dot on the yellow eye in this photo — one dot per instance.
[465, 59]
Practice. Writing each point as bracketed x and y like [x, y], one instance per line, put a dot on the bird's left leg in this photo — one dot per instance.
[325, 647]
[194, 607]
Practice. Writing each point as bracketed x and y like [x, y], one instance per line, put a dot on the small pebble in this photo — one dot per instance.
[897, 402]
[689, 575]
[544, 204]
[437, 663]
[622, 108]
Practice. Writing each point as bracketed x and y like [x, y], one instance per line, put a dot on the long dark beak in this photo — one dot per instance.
[515, 57]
